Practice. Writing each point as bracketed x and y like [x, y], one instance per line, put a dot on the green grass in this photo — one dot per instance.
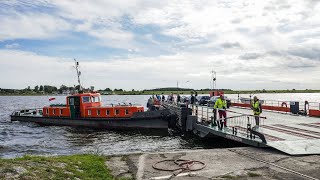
[249, 174]
[252, 174]
[59, 167]
[227, 176]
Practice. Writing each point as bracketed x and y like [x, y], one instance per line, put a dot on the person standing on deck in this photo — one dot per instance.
[172, 97]
[192, 99]
[150, 102]
[221, 104]
[257, 110]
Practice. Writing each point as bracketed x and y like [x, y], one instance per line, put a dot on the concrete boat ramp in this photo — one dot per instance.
[292, 134]
[231, 163]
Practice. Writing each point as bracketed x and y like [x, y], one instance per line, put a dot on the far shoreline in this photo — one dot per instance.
[150, 92]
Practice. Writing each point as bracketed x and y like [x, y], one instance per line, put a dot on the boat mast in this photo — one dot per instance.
[78, 73]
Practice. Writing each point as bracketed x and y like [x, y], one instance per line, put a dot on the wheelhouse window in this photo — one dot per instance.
[71, 101]
[98, 112]
[86, 99]
[54, 111]
[117, 112]
[96, 99]
[47, 111]
[61, 111]
[127, 111]
[108, 112]
[89, 112]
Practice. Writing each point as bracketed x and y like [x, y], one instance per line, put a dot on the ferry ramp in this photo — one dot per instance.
[292, 134]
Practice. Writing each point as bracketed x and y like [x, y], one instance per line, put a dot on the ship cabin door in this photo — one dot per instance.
[74, 103]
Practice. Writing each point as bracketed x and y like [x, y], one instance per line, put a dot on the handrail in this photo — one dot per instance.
[26, 111]
[242, 124]
[276, 103]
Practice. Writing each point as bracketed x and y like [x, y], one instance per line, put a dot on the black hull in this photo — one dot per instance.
[146, 120]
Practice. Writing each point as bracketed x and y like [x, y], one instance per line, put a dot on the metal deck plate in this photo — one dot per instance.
[297, 147]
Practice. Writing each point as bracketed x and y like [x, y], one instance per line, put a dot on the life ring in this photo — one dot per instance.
[284, 104]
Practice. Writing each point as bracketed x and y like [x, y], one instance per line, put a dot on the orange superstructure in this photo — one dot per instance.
[89, 105]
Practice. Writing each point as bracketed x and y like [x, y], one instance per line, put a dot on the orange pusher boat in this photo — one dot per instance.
[86, 110]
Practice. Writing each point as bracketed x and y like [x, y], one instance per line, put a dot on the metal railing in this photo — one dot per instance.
[120, 104]
[303, 106]
[203, 113]
[243, 125]
[28, 112]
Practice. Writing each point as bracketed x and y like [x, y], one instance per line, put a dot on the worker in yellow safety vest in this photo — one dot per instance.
[221, 105]
[257, 109]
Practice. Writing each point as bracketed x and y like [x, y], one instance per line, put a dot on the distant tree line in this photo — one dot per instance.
[182, 89]
[63, 89]
[169, 89]
[40, 89]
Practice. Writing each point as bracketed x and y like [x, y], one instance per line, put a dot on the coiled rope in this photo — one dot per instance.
[181, 165]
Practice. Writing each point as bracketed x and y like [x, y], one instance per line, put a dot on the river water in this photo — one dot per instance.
[18, 138]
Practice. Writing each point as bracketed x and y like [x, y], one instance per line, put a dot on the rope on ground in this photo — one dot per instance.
[182, 165]
[275, 165]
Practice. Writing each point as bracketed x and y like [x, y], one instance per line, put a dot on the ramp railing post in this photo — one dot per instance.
[197, 110]
[249, 129]
[306, 110]
[201, 113]
[207, 114]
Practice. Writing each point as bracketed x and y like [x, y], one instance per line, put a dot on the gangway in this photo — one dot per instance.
[292, 134]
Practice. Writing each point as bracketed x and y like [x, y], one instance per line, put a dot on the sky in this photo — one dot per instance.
[145, 44]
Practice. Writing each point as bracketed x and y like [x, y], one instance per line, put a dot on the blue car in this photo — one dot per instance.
[202, 100]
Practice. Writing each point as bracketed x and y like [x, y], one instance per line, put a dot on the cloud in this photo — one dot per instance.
[231, 45]
[310, 52]
[251, 44]
[23, 69]
[113, 38]
[31, 26]
[12, 46]
[29, 69]
[250, 56]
